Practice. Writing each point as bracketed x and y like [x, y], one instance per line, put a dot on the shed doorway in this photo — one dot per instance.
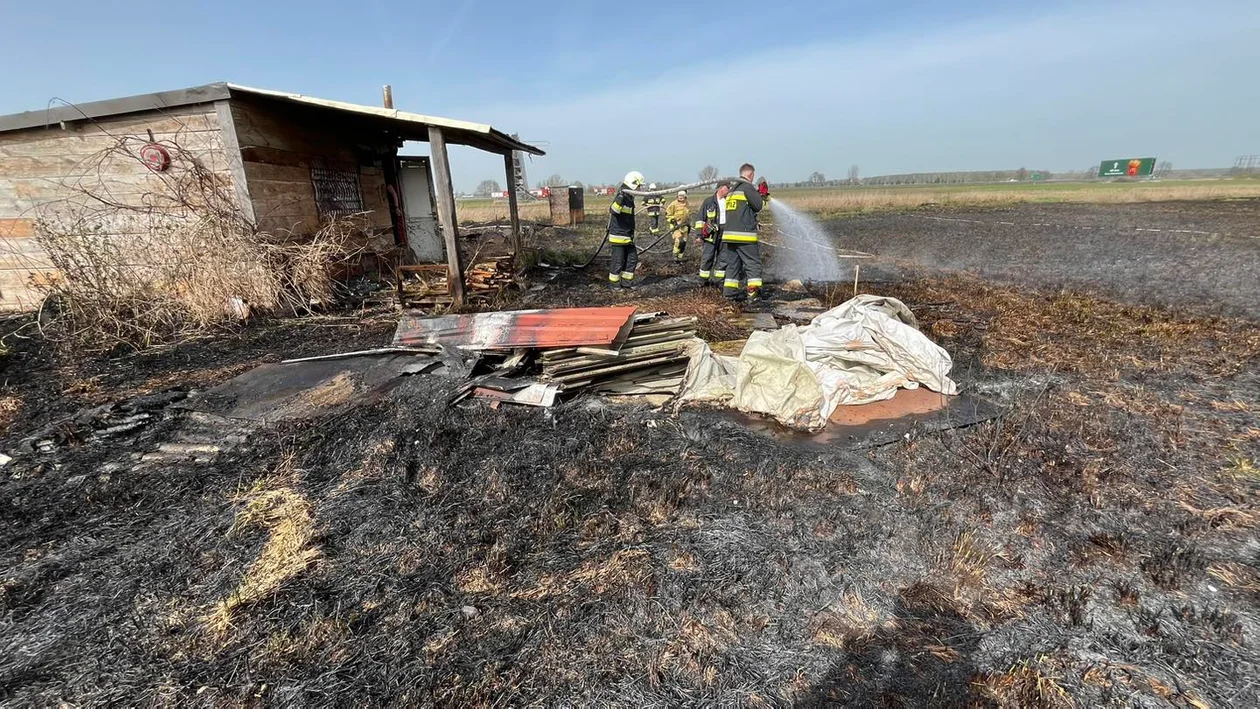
[415, 178]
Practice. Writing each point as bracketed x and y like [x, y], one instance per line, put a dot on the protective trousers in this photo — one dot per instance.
[624, 259]
[743, 263]
[681, 232]
[655, 224]
[712, 260]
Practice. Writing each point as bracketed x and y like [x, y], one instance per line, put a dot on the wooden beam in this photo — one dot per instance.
[513, 211]
[446, 213]
[236, 163]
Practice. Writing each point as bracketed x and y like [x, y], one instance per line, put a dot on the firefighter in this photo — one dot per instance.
[678, 217]
[652, 205]
[708, 225]
[739, 237]
[624, 257]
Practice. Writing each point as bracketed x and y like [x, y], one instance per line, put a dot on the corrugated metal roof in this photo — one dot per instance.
[478, 135]
[494, 136]
[564, 327]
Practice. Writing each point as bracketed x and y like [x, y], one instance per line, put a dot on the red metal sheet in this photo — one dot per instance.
[564, 327]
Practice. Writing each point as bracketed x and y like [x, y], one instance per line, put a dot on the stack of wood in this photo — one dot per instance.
[427, 284]
[493, 275]
[652, 360]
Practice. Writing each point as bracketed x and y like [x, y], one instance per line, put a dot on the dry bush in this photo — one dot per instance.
[176, 257]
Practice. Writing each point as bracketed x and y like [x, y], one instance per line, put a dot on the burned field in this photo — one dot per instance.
[1096, 545]
[1203, 256]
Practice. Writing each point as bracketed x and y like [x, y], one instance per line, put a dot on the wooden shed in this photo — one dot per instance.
[291, 161]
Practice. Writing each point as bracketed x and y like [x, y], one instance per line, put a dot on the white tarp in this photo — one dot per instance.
[858, 352]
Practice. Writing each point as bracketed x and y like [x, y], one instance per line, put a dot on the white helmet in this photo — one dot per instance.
[652, 186]
[634, 180]
[682, 193]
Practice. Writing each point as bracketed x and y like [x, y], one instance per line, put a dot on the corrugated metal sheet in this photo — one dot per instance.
[565, 327]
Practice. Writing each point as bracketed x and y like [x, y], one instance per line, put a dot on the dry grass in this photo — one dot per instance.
[288, 518]
[9, 408]
[480, 211]
[1073, 332]
[838, 201]
[1025, 685]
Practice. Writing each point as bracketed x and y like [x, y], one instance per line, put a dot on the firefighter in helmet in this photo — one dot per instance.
[624, 256]
[652, 205]
[678, 217]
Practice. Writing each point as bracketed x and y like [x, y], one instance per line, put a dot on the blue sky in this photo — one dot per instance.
[661, 87]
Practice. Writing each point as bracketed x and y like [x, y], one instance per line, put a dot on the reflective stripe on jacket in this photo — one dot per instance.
[621, 219]
[653, 204]
[742, 205]
[708, 214]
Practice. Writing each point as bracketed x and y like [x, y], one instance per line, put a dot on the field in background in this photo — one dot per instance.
[842, 200]
[479, 211]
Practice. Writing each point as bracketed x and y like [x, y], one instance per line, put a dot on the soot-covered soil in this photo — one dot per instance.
[1202, 255]
[1096, 546]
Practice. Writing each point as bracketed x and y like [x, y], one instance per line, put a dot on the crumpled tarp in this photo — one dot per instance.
[858, 352]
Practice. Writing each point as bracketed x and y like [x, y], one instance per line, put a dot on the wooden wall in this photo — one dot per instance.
[279, 146]
[42, 169]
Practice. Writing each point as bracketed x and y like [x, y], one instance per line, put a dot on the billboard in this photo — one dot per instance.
[1127, 167]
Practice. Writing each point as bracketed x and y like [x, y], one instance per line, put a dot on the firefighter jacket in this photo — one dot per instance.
[708, 215]
[653, 204]
[677, 213]
[742, 205]
[621, 219]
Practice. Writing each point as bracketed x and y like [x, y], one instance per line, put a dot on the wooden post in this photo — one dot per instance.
[387, 96]
[446, 214]
[513, 211]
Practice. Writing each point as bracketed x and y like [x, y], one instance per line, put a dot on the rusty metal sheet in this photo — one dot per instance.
[911, 411]
[563, 327]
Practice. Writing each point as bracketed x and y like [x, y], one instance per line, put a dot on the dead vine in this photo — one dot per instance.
[144, 257]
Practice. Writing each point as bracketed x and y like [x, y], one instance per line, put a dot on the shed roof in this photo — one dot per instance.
[409, 126]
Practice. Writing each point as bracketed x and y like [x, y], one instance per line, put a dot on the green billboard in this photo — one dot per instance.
[1127, 167]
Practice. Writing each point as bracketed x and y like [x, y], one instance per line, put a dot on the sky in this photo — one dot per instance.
[667, 88]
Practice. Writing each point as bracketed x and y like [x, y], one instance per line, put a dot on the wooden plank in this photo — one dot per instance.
[514, 212]
[288, 226]
[259, 127]
[445, 193]
[272, 172]
[14, 250]
[232, 151]
[166, 102]
[186, 118]
[16, 228]
[55, 142]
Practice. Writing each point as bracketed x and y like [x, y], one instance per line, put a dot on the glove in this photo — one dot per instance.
[763, 188]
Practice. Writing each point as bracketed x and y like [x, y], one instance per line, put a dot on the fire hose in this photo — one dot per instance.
[657, 193]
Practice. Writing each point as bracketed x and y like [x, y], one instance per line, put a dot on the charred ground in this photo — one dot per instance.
[1198, 255]
[1095, 546]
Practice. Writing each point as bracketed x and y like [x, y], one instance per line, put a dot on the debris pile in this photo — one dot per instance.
[653, 359]
[859, 352]
[533, 356]
[429, 284]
